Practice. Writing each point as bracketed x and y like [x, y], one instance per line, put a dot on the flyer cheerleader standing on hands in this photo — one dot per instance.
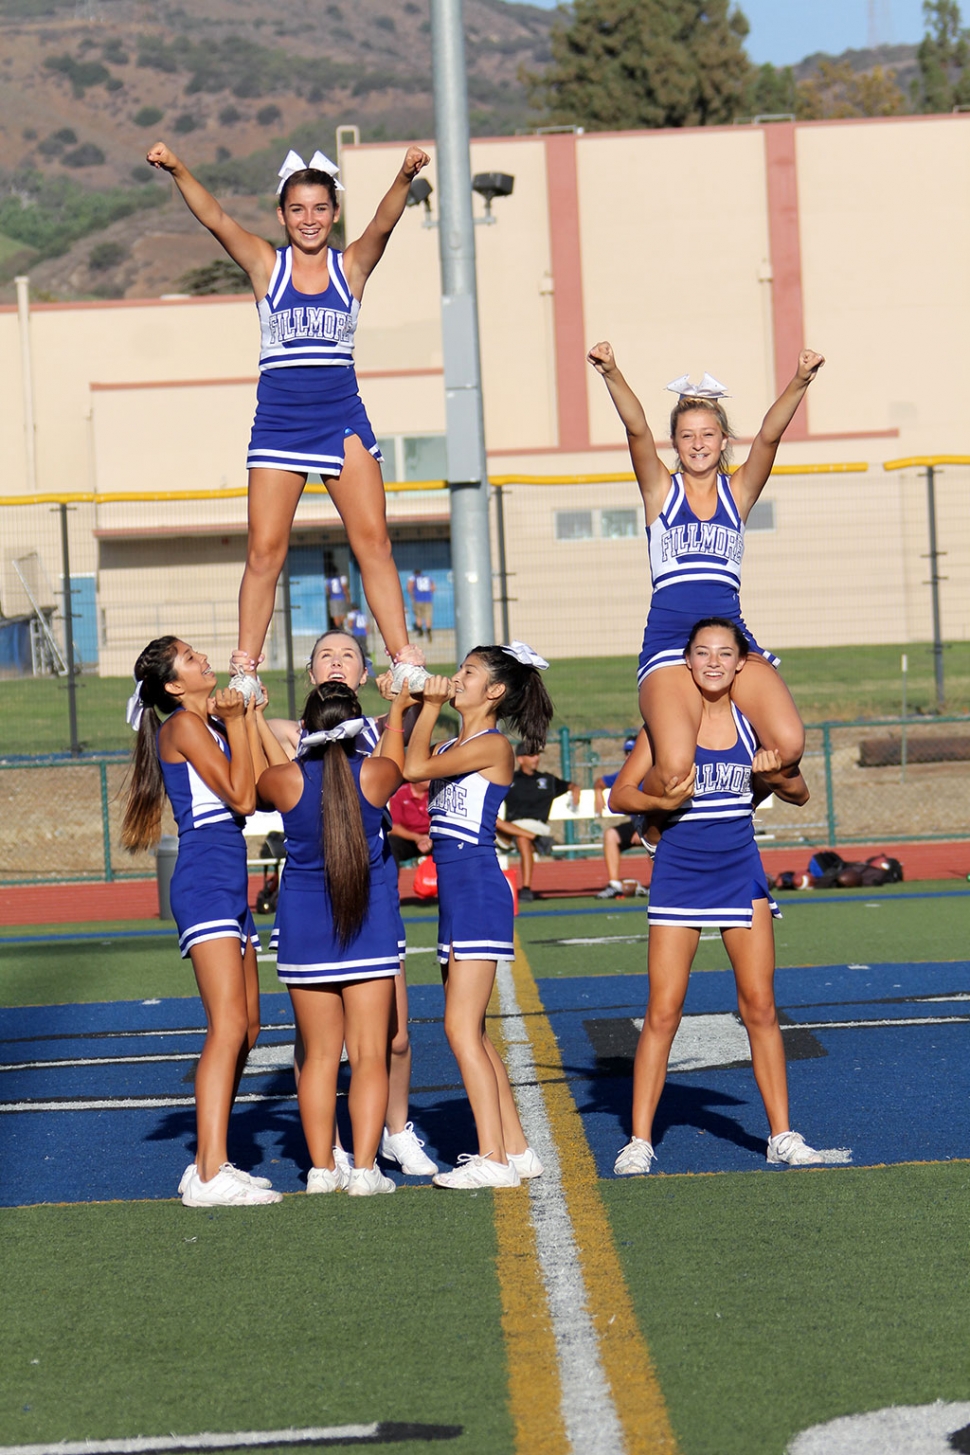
[203, 757]
[309, 415]
[695, 529]
[471, 775]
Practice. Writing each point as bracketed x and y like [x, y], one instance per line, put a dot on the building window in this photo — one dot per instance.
[574, 525]
[413, 457]
[618, 525]
[762, 516]
[425, 457]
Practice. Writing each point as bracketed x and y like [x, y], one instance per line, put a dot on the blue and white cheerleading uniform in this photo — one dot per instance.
[365, 744]
[308, 951]
[695, 566]
[307, 402]
[475, 905]
[210, 884]
[708, 872]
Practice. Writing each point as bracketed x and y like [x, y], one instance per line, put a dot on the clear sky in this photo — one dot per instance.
[784, 31]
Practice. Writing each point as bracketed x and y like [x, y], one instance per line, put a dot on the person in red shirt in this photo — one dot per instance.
[410, 836]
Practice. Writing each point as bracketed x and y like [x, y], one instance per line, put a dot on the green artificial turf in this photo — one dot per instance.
[772, 1302]
[65, 965]
[847, 927]
[151, 1319]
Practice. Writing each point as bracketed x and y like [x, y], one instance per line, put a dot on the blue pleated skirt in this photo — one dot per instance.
[304, 418]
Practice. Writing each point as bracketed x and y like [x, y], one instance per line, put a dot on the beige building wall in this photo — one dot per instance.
[687, 251]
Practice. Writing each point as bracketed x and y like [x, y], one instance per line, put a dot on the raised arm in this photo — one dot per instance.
[186, 735]
[266, 748]
[254, 254]
[749, 481]
[361, 257]
[653, 477]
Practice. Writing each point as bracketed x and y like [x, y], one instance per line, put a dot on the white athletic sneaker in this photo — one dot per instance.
[407, 1150]
[790, 1149]
[249, 685]
[344, 1161]
[612, 891]
[410, 673]
[635, 1158]
[326, 1179]
[526, 1164]
[366, 1181]
[226, 1190]
[192, 1169]
[478, 1171]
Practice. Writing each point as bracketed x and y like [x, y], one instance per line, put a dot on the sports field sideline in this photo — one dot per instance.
[713, 1307]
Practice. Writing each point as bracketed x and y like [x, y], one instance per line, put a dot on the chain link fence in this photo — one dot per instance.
[850, 570]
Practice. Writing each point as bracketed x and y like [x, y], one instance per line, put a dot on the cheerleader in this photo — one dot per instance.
[335, 936]
[471, 775]
[695, 531]
[203, 757]
[309, 415]
[708, 874]
[337, 656]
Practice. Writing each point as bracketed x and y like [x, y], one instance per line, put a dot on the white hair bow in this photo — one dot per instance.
[349, 728]
[317, 163]
[708, 388]
[135, 708]
[523, 653]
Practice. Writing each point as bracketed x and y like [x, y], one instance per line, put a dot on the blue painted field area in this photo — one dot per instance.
[96, 1100]
[876, 1062]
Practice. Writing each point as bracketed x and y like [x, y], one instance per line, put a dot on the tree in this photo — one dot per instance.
[837, 90]
[943, 56]
[625, 64]
[771, 91]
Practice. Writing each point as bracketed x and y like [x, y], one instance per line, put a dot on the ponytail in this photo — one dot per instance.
[346, 855]
[526, 705]
[142, 823]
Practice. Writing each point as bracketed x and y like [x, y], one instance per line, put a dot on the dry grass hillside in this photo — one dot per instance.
[87, 85]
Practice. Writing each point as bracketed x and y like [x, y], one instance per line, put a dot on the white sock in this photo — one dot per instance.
[616, 884]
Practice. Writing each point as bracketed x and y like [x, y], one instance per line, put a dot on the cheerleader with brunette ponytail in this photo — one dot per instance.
[202, 756]
[471, 775]
[336, 931]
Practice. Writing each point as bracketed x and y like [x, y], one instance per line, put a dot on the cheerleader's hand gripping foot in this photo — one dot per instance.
[244, 679]
[409, 667]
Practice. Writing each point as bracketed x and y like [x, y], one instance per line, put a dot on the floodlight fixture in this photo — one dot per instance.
[491, 185]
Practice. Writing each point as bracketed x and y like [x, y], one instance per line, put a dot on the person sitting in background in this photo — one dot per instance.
[527, 809]
[619, 837]
[410, 837]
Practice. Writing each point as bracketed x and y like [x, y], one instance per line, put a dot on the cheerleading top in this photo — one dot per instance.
[307, 329]
[720, 815]
[194, 804]
[302, 825]
[463, 809]
[688, 554]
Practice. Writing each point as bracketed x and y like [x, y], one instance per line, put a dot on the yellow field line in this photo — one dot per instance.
[636, 1390]
[530, 1347]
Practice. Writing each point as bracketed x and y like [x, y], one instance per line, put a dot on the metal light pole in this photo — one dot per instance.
[471, 554]
[934, 584]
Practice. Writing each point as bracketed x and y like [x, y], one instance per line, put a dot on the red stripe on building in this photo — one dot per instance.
[567, 298]
[786, 262]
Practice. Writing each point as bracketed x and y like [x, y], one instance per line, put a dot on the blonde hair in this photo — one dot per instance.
[687, 404]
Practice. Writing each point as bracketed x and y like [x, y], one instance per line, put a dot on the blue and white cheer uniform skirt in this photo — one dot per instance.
[476, 913]
[707, 889]
[209, 892]
[302, 424]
